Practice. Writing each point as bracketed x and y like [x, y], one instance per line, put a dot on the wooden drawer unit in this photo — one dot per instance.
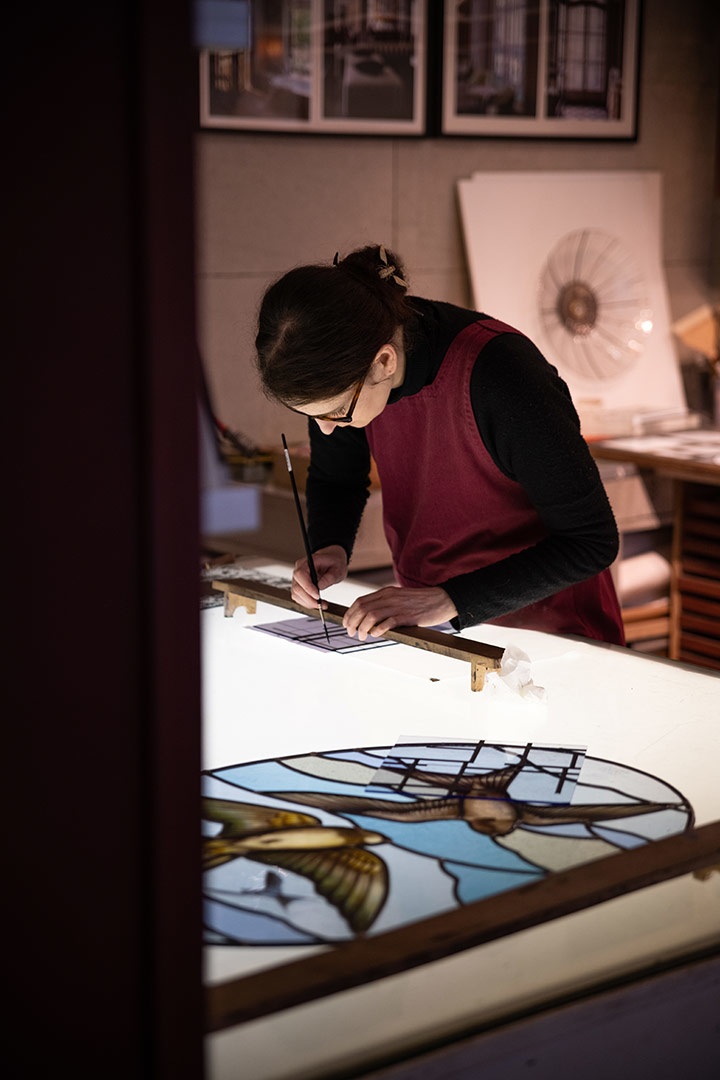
[695, 595]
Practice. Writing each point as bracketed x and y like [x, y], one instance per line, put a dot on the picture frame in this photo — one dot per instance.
[314, 66]
[541, 68]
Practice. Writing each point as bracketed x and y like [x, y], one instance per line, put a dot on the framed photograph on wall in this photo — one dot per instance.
[551, 68]
[335, 66]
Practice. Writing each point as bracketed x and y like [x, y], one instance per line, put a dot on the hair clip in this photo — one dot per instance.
[388, 270]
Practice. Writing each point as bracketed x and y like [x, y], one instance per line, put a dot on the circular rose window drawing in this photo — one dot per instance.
[593, 304]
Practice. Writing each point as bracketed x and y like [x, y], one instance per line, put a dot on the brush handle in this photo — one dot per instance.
[306, 541]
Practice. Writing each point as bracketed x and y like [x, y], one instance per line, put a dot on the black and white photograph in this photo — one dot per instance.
[339, 66]
[559, 68]
[264, 77]
[370, 60]
[495, 47]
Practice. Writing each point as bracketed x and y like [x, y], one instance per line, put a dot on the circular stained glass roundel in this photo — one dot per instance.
[594, 305]
[322, 847]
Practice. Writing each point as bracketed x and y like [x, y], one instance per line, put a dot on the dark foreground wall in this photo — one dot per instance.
[101, 679]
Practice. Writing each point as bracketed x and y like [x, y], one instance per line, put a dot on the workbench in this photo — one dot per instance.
[692, 461]
[270, 699]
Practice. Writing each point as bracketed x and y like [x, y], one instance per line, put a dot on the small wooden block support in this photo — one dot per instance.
[240, 592]
[478, 671]
[233, 601]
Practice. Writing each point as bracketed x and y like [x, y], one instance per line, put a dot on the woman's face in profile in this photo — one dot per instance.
[363, 402]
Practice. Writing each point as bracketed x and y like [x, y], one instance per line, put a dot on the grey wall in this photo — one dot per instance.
[269, 202]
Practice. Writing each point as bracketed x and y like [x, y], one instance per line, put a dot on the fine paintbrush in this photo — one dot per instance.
[311, 564]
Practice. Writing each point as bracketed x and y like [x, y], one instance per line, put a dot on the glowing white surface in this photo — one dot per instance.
[265, 698]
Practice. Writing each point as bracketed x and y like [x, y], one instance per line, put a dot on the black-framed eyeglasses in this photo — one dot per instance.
[347, 418]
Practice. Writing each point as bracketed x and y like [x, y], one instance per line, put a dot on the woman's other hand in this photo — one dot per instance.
[330, 566]
[397, 606]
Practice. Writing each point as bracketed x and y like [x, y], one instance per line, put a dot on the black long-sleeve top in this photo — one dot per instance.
[529, 425]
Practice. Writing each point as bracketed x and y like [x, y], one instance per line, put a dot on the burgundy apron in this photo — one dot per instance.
[449, 510]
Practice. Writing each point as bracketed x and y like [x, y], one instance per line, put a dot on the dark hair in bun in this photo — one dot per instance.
[320, 327]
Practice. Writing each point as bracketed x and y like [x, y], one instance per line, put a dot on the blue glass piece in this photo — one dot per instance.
[596, 793]
[548, 776]
[475, 884]
[248, 927]
[624, 840]
[453, 840]
[650, 826]
[578, 830]
[273, 776]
